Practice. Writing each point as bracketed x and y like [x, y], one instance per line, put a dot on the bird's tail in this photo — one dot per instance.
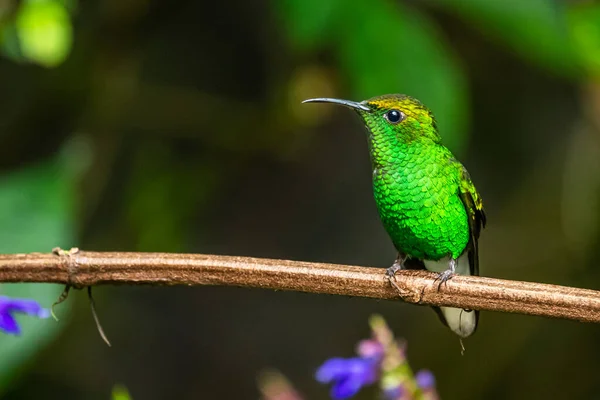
[462, 322]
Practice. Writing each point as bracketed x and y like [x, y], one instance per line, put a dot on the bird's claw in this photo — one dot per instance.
[391, 275]
[391, 271]
[444, 277]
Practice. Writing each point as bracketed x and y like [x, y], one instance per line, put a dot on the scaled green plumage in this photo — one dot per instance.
[425, 197]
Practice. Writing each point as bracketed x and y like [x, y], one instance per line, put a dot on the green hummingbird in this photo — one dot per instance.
[425, 197]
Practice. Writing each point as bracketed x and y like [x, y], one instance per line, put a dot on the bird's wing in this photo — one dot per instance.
[474, 206]
[464, 322]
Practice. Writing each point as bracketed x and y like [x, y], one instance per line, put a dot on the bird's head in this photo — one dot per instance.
[392, 117]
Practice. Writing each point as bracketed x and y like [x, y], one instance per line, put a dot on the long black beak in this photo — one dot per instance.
[347, 103]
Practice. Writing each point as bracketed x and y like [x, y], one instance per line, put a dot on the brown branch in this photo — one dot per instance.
[83, 268]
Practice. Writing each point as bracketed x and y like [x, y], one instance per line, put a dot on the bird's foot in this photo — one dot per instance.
[391, 273]
[446, 275]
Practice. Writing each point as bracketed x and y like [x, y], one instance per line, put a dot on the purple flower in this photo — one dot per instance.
[348, 375]
[425, 379]
[370, 348]
[393, 393]
[8, 306]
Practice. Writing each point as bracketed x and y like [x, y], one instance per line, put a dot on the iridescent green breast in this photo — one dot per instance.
[416, 191]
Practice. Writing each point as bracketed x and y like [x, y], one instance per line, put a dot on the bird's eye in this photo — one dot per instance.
[394, 116]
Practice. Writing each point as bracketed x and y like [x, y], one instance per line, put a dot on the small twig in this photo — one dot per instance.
[81, 268]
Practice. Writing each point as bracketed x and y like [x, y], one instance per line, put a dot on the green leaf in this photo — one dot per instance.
[45, 32]
[390, 48]
[36, 214]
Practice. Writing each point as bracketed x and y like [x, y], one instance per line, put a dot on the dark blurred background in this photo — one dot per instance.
[149, 125]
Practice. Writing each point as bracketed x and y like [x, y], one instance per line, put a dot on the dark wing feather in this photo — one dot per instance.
[474, 207]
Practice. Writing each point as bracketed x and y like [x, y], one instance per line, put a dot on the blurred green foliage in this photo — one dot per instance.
[584, 23]
[386, 47]
[536, 29]
[36, 214]
[38, 31]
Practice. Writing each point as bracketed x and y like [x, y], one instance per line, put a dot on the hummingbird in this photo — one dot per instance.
[426, 200]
